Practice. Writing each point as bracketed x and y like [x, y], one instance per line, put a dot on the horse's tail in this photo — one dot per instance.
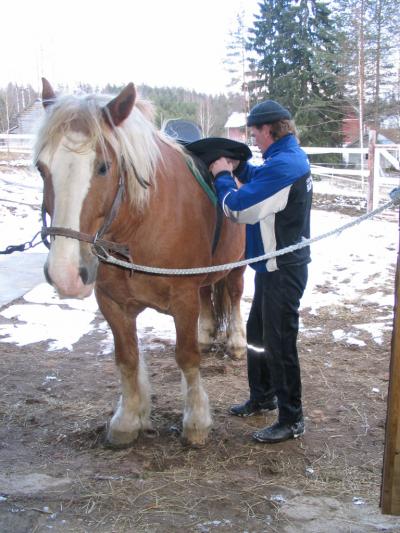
[221, 303]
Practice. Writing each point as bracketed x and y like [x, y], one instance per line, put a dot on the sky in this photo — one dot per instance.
[174, 43]
[363, 257]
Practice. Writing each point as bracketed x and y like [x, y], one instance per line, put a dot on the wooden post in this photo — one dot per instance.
[390, 490]
[377, 176]
[371, 168]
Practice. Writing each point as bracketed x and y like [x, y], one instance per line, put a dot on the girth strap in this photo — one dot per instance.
[209, 190]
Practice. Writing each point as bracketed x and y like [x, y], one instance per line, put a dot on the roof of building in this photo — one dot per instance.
[236, 120]
[383, 137]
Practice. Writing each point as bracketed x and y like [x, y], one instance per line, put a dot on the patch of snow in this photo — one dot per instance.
[342, 268]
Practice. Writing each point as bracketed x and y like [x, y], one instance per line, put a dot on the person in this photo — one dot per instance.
[274, 201]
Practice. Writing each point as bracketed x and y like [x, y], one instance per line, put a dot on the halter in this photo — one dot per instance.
[96, 239]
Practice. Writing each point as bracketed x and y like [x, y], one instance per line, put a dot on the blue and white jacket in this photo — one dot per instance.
[274, 201]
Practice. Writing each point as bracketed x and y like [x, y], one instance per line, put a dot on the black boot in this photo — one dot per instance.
[252, 407]
[280, 432]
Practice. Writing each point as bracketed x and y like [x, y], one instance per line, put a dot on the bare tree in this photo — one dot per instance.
[236, 62]
[205, 116]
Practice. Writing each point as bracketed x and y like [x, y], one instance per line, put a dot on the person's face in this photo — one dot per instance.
[262, 136]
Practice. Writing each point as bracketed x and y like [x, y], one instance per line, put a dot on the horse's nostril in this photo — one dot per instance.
[84, 274]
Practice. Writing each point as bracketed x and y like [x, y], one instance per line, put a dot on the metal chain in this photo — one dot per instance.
[21, 247]
[395, 200]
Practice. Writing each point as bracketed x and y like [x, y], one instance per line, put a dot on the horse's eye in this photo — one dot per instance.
[103, 168]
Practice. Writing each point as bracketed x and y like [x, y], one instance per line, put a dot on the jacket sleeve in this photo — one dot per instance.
[267, 192]
[245, 172]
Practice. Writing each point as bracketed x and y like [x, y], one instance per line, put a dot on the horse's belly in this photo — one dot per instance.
[138, 290]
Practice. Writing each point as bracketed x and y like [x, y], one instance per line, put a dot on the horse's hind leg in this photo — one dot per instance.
[235, 332]
[196, 416]
[207, 326]
[133, 410]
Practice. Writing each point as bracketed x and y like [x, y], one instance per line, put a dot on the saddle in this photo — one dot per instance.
[205, 151]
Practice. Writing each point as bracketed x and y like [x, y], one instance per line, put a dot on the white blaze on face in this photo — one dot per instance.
[71, 172]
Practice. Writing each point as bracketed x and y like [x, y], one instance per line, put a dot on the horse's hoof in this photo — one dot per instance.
[236, 354]
[119, 440]
[192, 445]
[194, 438]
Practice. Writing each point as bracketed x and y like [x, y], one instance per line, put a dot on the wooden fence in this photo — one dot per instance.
[16, 144]
[374, 170]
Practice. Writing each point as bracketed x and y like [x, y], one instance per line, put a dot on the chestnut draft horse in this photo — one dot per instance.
[108, 171]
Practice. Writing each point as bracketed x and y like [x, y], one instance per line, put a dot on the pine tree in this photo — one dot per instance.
[295, 47]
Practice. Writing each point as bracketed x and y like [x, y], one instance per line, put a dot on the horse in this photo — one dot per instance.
[111, 176]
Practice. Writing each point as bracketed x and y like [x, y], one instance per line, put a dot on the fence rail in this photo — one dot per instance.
[368, 168]
[16, 143]
[374, 170]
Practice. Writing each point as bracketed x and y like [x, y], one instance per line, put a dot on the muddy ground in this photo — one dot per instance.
[56, 474]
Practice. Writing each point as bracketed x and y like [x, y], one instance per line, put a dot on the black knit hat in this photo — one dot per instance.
[266, 113]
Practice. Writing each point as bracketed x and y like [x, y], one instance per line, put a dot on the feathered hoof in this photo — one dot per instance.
[194, 438]
[236, 354]
[119, 440]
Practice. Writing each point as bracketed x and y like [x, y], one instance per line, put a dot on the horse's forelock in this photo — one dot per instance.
[70, 114]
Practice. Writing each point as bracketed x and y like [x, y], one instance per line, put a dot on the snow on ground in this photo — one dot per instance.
[342, 268]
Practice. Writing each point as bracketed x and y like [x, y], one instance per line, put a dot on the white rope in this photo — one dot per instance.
[395, 200]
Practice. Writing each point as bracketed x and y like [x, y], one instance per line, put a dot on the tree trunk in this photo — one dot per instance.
[378, 18]
[361, 82]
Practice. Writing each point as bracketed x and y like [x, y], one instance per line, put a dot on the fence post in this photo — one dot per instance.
[390, 489]
[371, 168]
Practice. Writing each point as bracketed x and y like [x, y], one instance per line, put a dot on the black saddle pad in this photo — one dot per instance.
[212, 148]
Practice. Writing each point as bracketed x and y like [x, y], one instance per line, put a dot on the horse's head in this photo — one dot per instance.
[84, 152]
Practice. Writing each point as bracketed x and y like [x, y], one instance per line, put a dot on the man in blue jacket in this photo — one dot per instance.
[274, 201]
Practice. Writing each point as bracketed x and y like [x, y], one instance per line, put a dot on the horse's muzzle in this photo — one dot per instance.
[72, 282]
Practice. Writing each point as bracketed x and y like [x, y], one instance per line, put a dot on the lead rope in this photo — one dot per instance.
[104, 256]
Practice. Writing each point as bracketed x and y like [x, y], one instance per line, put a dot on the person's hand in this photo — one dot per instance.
[220, 165]
[235, 163]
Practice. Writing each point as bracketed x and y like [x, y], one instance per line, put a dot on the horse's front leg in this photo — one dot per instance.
[196, 415]
[133, 410]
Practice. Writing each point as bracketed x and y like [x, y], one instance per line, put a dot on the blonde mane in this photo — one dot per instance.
[135, 143]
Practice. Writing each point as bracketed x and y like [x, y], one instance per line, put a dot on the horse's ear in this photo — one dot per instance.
[121, 106]
[48, 95]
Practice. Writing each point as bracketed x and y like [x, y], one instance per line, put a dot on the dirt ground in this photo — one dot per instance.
[56, 474]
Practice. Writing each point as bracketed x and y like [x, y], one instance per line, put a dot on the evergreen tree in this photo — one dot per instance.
[209, 112]
[295, 45]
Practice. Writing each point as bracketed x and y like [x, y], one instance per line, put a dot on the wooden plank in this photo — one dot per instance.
[371, 169]
[328, 171]
[6, 150]
[17, 136]
[326, 150]
[390, 489]
[387, 155]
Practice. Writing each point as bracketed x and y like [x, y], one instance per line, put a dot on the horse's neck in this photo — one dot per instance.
[174, 198]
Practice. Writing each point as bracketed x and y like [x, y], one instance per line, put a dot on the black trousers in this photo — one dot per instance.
[272, 328]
